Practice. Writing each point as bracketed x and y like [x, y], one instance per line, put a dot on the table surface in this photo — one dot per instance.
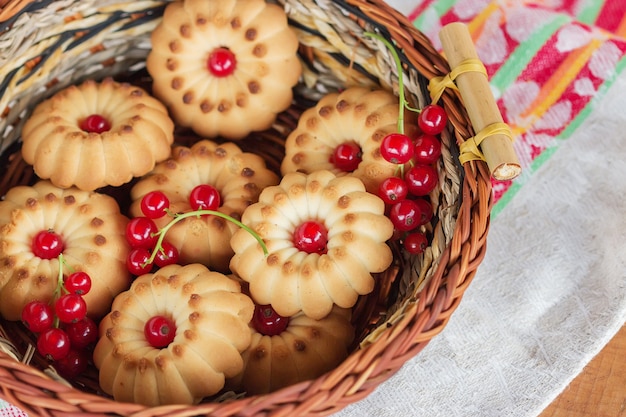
[600, 389]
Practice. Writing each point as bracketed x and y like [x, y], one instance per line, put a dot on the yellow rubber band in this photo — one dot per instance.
[437, 85]
[470, 150]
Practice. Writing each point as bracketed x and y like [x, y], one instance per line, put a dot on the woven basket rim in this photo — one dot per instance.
[36, 392]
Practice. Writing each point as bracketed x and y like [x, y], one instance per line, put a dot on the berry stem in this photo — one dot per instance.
[403, 102]
[59, 288]
[197, 213]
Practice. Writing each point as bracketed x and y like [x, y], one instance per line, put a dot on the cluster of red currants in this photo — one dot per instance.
[142, 233]
[406, 194]
[65, 334]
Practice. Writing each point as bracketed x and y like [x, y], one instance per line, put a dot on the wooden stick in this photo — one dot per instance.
[479, 102]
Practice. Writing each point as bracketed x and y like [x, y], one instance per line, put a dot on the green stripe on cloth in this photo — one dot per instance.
[547, 153]
[440, 7]
[590, 12]
[524, 53]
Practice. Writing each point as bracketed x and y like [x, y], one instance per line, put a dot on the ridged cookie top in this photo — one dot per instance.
[238, 176]
[211, 316]
[263, 61]
[358, 115]
[92, 230]
[140, 135]
[305, 350]
[291, 279]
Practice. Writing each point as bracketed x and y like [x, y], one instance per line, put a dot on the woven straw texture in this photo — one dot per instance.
[47, 46]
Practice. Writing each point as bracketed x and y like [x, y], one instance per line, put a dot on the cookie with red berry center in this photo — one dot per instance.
[39, 224]
[325, 236]
[343, 134]
[224, 67]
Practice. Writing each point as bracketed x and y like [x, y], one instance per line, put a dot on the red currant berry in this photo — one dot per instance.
[311, 237]
[415, 243]
[432, 119]
[204, 197]
[154, 204]
[405, 215]
[222, 62]
[141, 232]
[167, 255]
[70, 308]
[73, 364]
[37, 316]
[267, 322]
[82, 333]
[159, 331]
[53, 343]
[77, 283]
[346, 157]
[421, 179]
[137, 261]
[95, 123]
[426, 211]
[47, 245]
[427, 149]
[397, 148]
[393, 190]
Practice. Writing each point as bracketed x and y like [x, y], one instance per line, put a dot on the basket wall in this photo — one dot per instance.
[47, 46]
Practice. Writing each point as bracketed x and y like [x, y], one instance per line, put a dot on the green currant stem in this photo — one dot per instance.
[59, 288]
[403, 102]
[197, 213]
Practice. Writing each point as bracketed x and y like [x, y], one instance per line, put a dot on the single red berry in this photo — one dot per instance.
[95, 123]
[73, 364]
[426, 210]
[405, 215]
[421, 179]
[415, 243]
[204, 197]
[53, 343]
[47, 244]
[267, 322]
[37, 316]
[392, 190]
[397, 148]
[82, 333]
[427, 149]
[141, 232]
[159, 331]
[311, 237]
[154, 204]
[77, 283]
[346, 157]
[167, 255]
[70, 308]
[137, 261]
[222, 62]
[432, 119]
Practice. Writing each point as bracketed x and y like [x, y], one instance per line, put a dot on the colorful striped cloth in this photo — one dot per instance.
[548, 62]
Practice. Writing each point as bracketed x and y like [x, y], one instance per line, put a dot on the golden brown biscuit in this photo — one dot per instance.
[356, 115]
[291, 278]
[211, 318]
[304, 350]
[92, 232]
[137, 134]
[238, 176]
[224, 67]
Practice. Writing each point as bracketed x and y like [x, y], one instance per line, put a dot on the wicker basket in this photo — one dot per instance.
[47, 45]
